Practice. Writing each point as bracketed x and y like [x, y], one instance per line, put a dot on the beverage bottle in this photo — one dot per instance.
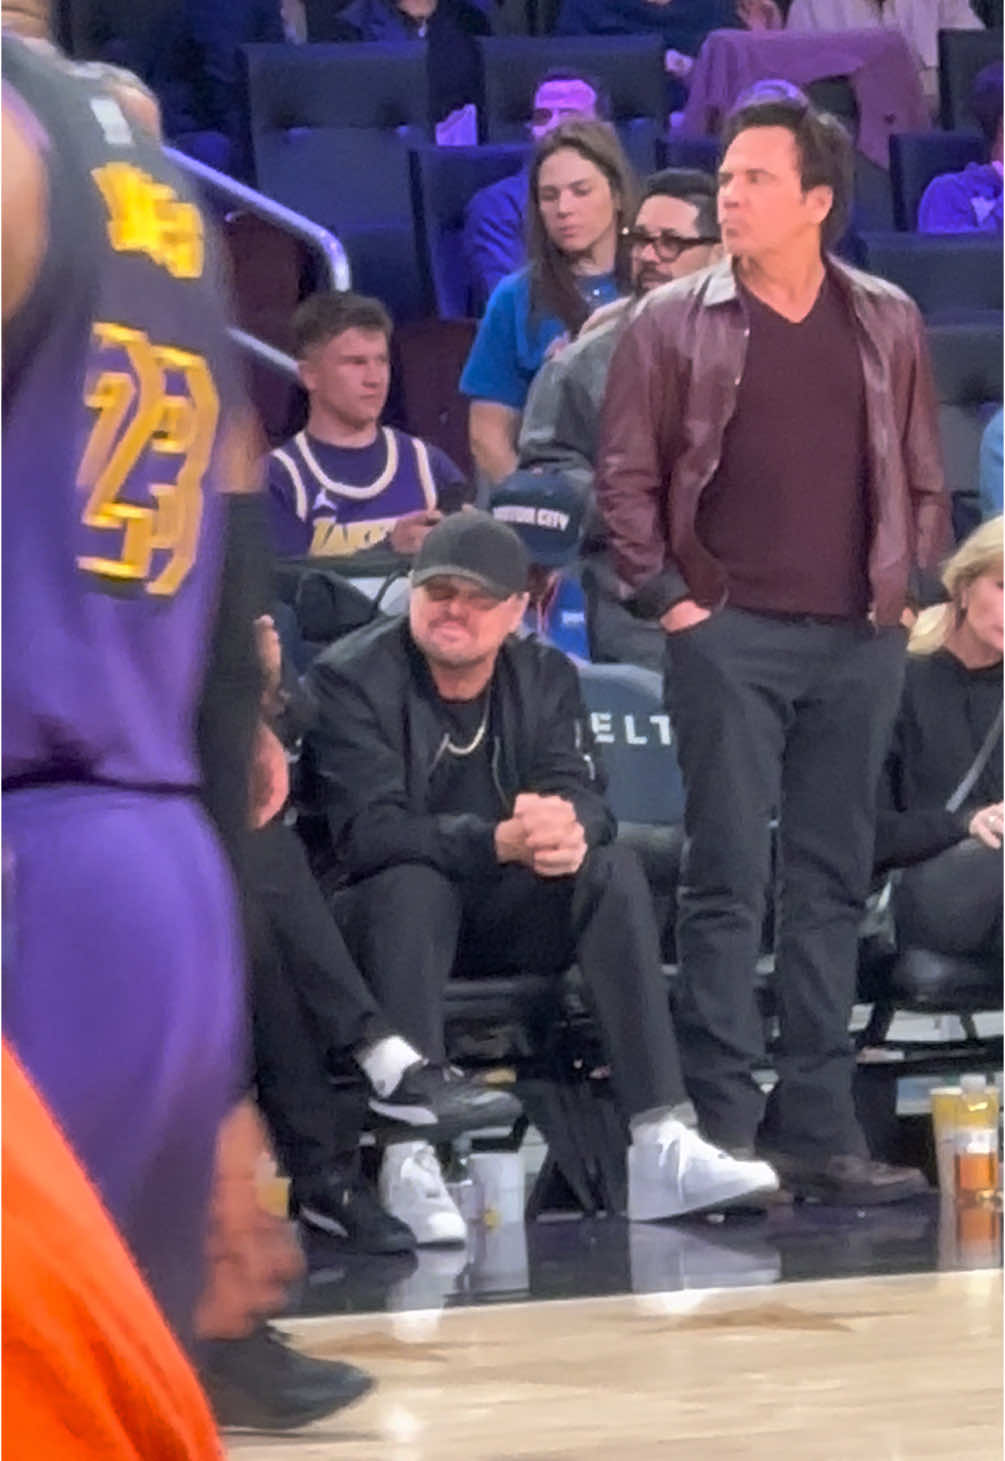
[461, 1183]
[978, 1236]
[976, 1140]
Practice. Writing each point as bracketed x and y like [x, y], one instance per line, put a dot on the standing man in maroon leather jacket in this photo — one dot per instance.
[769, 471]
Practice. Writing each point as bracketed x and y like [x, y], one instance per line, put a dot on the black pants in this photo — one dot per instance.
[952, 903]
[787, 716]
[616, 635]
[410, 927]
[310, 1008]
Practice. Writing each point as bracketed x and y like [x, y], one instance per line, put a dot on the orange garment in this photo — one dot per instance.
[90, 1368]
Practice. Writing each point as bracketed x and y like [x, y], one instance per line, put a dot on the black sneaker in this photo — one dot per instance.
[261, 1383]
[350, 1210]
[444, 1098]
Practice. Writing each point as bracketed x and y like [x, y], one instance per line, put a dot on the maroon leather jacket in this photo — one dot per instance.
[672, 390]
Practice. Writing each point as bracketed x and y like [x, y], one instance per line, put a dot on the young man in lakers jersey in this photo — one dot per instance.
[346, 483]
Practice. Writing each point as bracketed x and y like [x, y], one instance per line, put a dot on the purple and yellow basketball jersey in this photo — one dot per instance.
[118, 380]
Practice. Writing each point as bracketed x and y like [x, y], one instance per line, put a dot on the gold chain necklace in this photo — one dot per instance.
[476, 739]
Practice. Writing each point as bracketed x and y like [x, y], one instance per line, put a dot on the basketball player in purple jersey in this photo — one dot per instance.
[130, 579]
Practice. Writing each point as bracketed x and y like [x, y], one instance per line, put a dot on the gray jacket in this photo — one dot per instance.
[561, 419]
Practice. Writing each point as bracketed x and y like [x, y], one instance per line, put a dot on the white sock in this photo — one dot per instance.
[662, 1124]
[385, 1062]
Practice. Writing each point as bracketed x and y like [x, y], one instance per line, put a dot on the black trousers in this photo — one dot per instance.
[410, 927]
[616, 635]
[791, 717]
[310, 1008]
[952, 903]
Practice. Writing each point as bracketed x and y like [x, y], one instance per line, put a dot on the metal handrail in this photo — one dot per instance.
[327, 245]
[266, 353]
[335, 265]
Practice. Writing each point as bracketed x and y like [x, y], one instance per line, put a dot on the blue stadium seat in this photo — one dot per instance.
[967, 360]
[630, 68]
[967, 365]
[330, 131]
[918, 157]
[632, 729]
[444, 179]
[366, 85]
[355, 181]
[962, 53]
[949, 275]
[703, 153]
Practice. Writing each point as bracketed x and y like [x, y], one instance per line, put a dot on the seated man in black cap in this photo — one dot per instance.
[468, 819]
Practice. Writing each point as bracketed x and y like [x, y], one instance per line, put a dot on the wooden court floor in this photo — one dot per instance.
[878, 1369]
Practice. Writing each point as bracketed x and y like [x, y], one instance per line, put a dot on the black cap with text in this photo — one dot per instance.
[474, 546]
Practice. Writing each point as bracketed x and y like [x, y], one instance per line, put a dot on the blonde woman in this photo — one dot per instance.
[949, 898]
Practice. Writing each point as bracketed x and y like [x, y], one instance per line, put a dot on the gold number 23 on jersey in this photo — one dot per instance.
[146, 427]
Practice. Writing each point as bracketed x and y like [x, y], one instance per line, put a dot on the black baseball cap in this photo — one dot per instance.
[473, 545]
[546, 510]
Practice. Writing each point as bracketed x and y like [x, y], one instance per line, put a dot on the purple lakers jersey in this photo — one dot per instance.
[118, 381]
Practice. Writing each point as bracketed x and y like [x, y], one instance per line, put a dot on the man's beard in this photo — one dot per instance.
[648, 280]
[459, 659]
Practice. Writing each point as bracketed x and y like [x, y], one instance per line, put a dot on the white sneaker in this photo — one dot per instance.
[412, 1188]
[680, 1173]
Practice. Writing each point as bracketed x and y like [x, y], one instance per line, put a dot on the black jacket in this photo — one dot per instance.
[945, 712]
[378, 732]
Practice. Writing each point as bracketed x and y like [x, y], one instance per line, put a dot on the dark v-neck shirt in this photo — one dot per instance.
[787, 511]
[465, 784]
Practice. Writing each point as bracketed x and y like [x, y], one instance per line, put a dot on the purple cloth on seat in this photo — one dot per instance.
[963, 202]
[877, 63]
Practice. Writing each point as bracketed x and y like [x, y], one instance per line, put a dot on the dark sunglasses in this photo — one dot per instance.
[668, 245]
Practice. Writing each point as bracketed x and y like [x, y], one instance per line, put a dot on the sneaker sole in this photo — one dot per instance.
[229, 1401]
[827, 1194]
[757, 1199]
[444, 1128]
[452, 1240]
[315, 1219]
[457, 1242]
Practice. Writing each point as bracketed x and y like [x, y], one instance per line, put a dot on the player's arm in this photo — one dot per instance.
[24, 223]
[232, 690]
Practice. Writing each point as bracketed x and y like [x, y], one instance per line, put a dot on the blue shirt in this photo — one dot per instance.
[963, 202]
[561, 619]
[510, 347]
[991, 467]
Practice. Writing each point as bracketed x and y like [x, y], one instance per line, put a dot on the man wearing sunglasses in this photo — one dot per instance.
[467, 816]
[675, 233]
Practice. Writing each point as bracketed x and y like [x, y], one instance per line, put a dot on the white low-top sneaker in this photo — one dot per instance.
[677, 1172]
[412, 1189]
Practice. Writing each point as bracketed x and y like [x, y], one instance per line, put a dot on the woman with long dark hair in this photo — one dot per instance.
[582, 189]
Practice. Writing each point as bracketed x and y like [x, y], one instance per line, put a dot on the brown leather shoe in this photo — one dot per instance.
[847, 1181]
